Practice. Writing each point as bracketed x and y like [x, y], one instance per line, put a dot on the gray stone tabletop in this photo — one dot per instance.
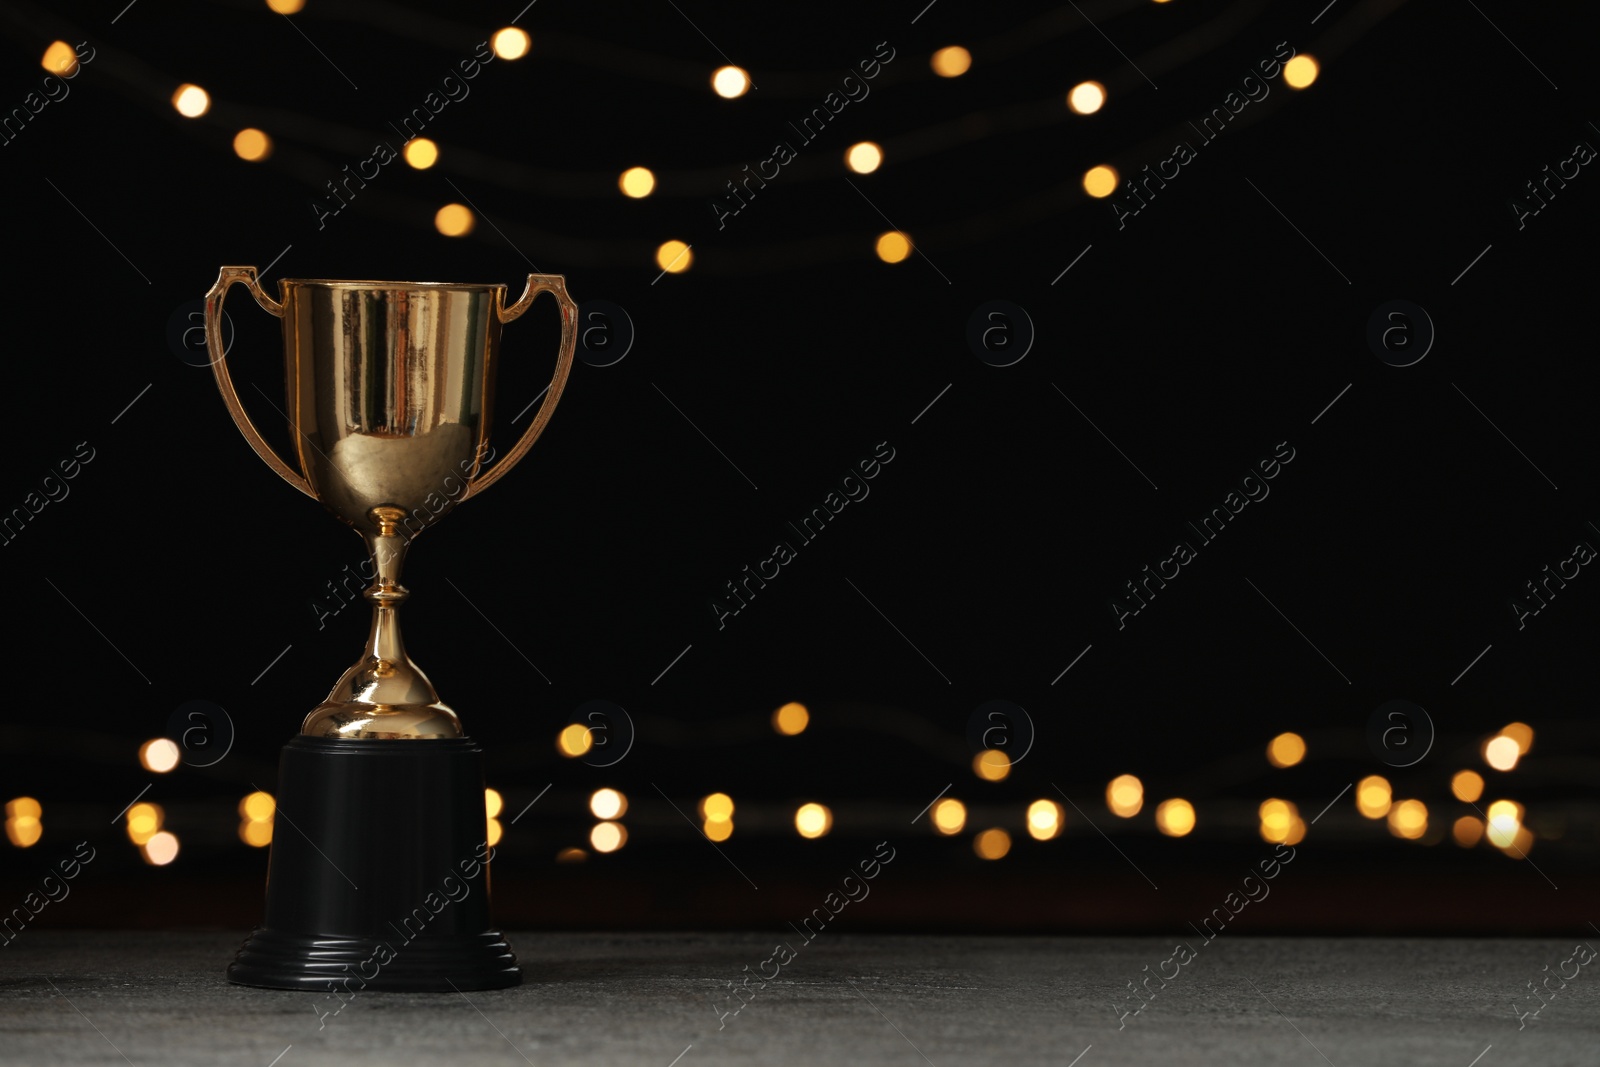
[659, 999]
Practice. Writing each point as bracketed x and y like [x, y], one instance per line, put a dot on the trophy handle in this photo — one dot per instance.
[556, 285]
[226, 278]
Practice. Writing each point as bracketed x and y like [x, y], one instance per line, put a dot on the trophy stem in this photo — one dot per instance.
[386, 594]
[385, 695]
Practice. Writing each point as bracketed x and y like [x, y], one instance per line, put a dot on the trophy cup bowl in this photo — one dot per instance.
[379, 859]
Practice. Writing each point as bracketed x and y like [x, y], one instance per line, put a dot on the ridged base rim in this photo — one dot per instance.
[271, 959]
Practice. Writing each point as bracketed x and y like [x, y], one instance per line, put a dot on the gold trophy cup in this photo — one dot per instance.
[389, 395]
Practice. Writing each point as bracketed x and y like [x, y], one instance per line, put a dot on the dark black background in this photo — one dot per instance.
[1197, 338]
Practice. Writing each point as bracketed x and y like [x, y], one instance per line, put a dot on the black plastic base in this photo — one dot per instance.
[379, 876]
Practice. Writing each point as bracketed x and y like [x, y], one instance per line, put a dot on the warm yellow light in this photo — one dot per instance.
[571, 855]
[1522, 734]
[511, 43]
[421, 153]
[159, 754]
[813, 820]
[492, 802]
[1501, 752]
[24, 808]
[1467, 785]
[1175, 817]
[637, 182]
[1281, 822]
[191, 101]
[1125, 796]
[718, 807]
[1505, 807]
[791, 719]
[608, 836]
[1521, 843]
[674, 257]
[1408, 819]
[1502, 831]
[1467, 831]
[951, 62]
[1300, 72]
[991, 765]
[453, 220]
[1277, 819]
[992, 844]
[160, 850]
[494, 832]
[252, 145]
[1045, 819]
[1373, 796]
[257, 807]
[144, 820]
[1506, 830]
[60, 58]
[286, 7]
[718, 829]
[1101, 181]
[1505, 824]
[23, 827]
[573, 740]
[255, 833]
[949, 816]
[729, 82]
[1087, 97]
[1286, 750]
[863, 157]
[608, 804]
[24, 830]
[893, 246]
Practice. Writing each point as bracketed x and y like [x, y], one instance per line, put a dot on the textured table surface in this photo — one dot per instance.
[651, 999]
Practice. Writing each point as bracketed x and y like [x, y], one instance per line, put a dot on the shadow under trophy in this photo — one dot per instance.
[378, 874]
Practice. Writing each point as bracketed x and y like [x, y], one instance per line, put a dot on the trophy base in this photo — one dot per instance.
[379, 872]
[272, 960]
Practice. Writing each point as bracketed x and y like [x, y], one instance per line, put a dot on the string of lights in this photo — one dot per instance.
[1501, 823]
[285, 139]
[611, 58]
